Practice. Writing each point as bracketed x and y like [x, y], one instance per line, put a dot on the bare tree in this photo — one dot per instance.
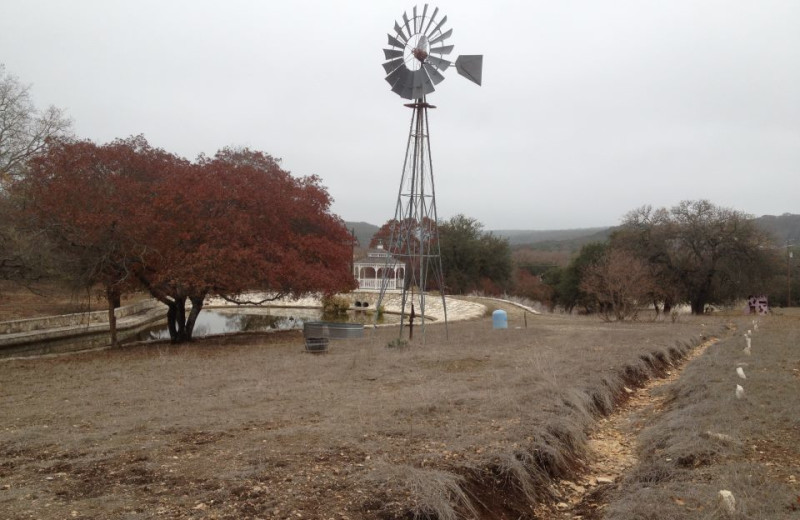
[620, 283]
[24, 133]
[24, 130]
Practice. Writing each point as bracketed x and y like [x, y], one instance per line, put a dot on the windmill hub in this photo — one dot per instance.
[420, 54]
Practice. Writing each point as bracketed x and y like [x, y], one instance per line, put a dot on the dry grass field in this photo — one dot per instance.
[249, 426]
[705, 439]
[47, 299]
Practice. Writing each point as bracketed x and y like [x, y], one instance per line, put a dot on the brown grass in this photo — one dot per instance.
[251, 427]
[50, 298]
[707, 440]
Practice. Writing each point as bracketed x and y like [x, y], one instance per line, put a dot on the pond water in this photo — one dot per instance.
[227, 321]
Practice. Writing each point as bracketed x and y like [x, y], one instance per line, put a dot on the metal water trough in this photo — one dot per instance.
[317, 334]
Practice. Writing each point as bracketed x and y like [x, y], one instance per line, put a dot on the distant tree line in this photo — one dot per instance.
[695, 253]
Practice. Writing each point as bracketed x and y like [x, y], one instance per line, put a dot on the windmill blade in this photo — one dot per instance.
[422, 18]
[394, 42]
[400, 33]
[401, 76]
[391, 66]
[442, 37]
[433, 17]
[438, 62]
[439, 25]
[405, 19]
[421, 84]
[392, 53]
[403, 90]
[434, 74]
[445, 49]
[471, 67]
[414, 19]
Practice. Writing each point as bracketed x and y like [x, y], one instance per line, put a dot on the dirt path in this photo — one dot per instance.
[612, 447]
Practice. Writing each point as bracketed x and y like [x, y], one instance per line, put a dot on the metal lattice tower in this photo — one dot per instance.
[416, 55]
[415, 235]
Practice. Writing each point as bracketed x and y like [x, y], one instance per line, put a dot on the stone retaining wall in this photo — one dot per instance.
[79, 319]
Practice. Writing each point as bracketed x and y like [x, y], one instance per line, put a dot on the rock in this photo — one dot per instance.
[739, 392]
[562, 506]
[605, 480]
[201, 507]
[740, 373]
[727, 439]
[577, 488]
[727, 502]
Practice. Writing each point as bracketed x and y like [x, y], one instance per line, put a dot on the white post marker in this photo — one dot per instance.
[727, 502]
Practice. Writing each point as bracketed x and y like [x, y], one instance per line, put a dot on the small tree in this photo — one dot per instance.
[405, 239]
[532, 287]
[473, 259]
[620, 282]
[566, 282]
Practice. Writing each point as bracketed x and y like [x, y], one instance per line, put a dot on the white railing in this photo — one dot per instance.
[376, 283]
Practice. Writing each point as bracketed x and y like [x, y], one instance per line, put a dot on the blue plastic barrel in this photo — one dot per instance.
[499, 319]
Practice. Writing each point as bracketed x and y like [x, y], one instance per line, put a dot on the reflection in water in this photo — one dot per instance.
[227, 321]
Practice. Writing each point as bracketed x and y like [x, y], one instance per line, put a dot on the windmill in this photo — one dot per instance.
[416, 56]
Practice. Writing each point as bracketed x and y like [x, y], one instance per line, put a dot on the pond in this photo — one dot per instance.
[227, 321]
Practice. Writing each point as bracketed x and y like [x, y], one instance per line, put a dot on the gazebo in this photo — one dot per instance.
[369, 270]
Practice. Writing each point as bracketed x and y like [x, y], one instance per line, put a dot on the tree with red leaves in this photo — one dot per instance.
[404, 239]
[135, 216]
[245, 225]
[85, 198]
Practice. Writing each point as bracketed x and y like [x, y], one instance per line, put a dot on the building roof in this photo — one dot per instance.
[376, 256]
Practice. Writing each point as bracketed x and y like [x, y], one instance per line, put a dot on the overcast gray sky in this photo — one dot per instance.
[588, 108]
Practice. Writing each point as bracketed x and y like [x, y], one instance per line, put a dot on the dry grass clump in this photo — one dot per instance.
[426, 493]
[708, 440]
[252, 427]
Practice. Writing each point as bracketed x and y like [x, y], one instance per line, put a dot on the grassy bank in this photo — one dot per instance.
[250, 426]
[707, 439]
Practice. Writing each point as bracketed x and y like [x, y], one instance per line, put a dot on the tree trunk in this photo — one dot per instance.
[176, 320]
[181, 326]
[171, 316]
[698, 306]
[197, 306]
[700, 298]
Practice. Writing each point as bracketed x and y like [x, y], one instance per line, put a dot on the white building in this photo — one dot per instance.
[369, 270]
